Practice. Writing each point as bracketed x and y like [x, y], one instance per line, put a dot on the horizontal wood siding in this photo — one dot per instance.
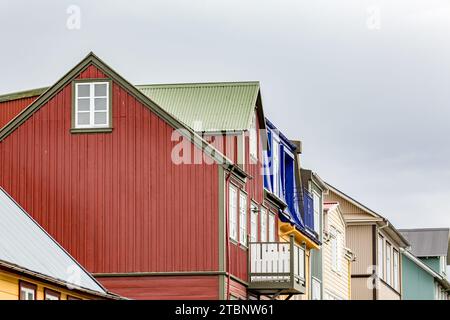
[115, 201]
[335, 283]
[164, 287]
[10, 109]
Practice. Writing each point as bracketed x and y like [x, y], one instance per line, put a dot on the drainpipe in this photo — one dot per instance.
[227, 226]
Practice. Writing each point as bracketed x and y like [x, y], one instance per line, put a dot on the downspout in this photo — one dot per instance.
[227, 226]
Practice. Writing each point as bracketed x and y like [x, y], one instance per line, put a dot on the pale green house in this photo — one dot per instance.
[424, 266]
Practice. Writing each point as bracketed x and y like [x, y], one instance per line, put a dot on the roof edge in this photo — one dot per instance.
[22, 94]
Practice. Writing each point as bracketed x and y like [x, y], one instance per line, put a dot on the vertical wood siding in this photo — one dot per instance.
[359, 239]
[10, 109]
[165, 287]
[115, 200]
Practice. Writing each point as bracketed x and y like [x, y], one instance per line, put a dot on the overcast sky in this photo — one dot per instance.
[364, 84]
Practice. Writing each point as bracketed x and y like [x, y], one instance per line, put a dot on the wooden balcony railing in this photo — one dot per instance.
[276, 267]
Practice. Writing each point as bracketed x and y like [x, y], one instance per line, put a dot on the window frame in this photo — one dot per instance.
[254, 213]
[271, 224]
[388, 265]
[381, 250]
[75, 128]
[261, 219]
[317, 223]
[253, 137]
[233, 221]
[335, 237]
[396, 269]
[243, 218]
[276, 166]
[28, 286]
[50, 292]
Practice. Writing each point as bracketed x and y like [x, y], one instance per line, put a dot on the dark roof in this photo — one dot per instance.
[432, 242]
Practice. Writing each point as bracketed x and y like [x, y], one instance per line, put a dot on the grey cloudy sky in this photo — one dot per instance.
[370, 104]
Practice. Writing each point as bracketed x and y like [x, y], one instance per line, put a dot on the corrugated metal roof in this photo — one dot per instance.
[207, 106]
[25, 244]
[428, 242]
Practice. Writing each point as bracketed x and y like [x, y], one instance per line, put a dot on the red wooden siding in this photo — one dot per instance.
[165, 287]
[10, 109]
[115, 200]
[237, 289]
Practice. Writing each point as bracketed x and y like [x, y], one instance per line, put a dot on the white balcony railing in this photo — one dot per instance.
[276, 264]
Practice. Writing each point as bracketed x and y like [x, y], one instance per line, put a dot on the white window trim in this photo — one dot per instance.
[253, 138]
[388, 263]
[396, 268]
[254, 219]
[92, 111]
[243, 218]
[271, 223]
[381, 255]
[319, 283]
[233, 214]
[316, 214]
[263, 224]
[335, 249]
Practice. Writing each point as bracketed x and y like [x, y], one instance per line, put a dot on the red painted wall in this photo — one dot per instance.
[10, 109]
[115, 200]
[165, 287]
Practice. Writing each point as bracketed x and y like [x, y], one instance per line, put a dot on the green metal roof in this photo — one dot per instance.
[207, 106]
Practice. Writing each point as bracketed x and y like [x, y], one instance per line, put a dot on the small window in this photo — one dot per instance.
[253, 138]
[233, 213]
[316, 289]
[51, 295]
[92, 105]
[381, 257]
[27, 291]
[72, 298]
[317, 205]
[263, 224]
[243, 219]
[335, 243]
[396, 270]
[388, 263]
[253, 223]
[271, 227]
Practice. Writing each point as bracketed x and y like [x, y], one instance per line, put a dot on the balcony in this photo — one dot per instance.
[276, 268]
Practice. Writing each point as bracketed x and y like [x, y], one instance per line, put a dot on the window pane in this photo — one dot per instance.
[100, 90]
[83, 90]
[83, 118]
[100, 118]
[83, 104]
[100, 103]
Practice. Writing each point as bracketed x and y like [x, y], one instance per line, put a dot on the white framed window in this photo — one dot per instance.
[276, 166]
[263, 224]
[316, 288]
[396, 270]
[272, 234]
[381, 257]
[317, 205]
[233, 212]
[27, 291]
[92, 105]
[243, 219]
[253, 223]
[253, 138]
[335, 249]
[388, 263]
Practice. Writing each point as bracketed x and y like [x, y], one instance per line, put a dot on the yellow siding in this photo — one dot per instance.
[335, 283]
[9, 287]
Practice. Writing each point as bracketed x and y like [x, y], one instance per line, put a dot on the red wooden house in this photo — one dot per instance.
[91, 158]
